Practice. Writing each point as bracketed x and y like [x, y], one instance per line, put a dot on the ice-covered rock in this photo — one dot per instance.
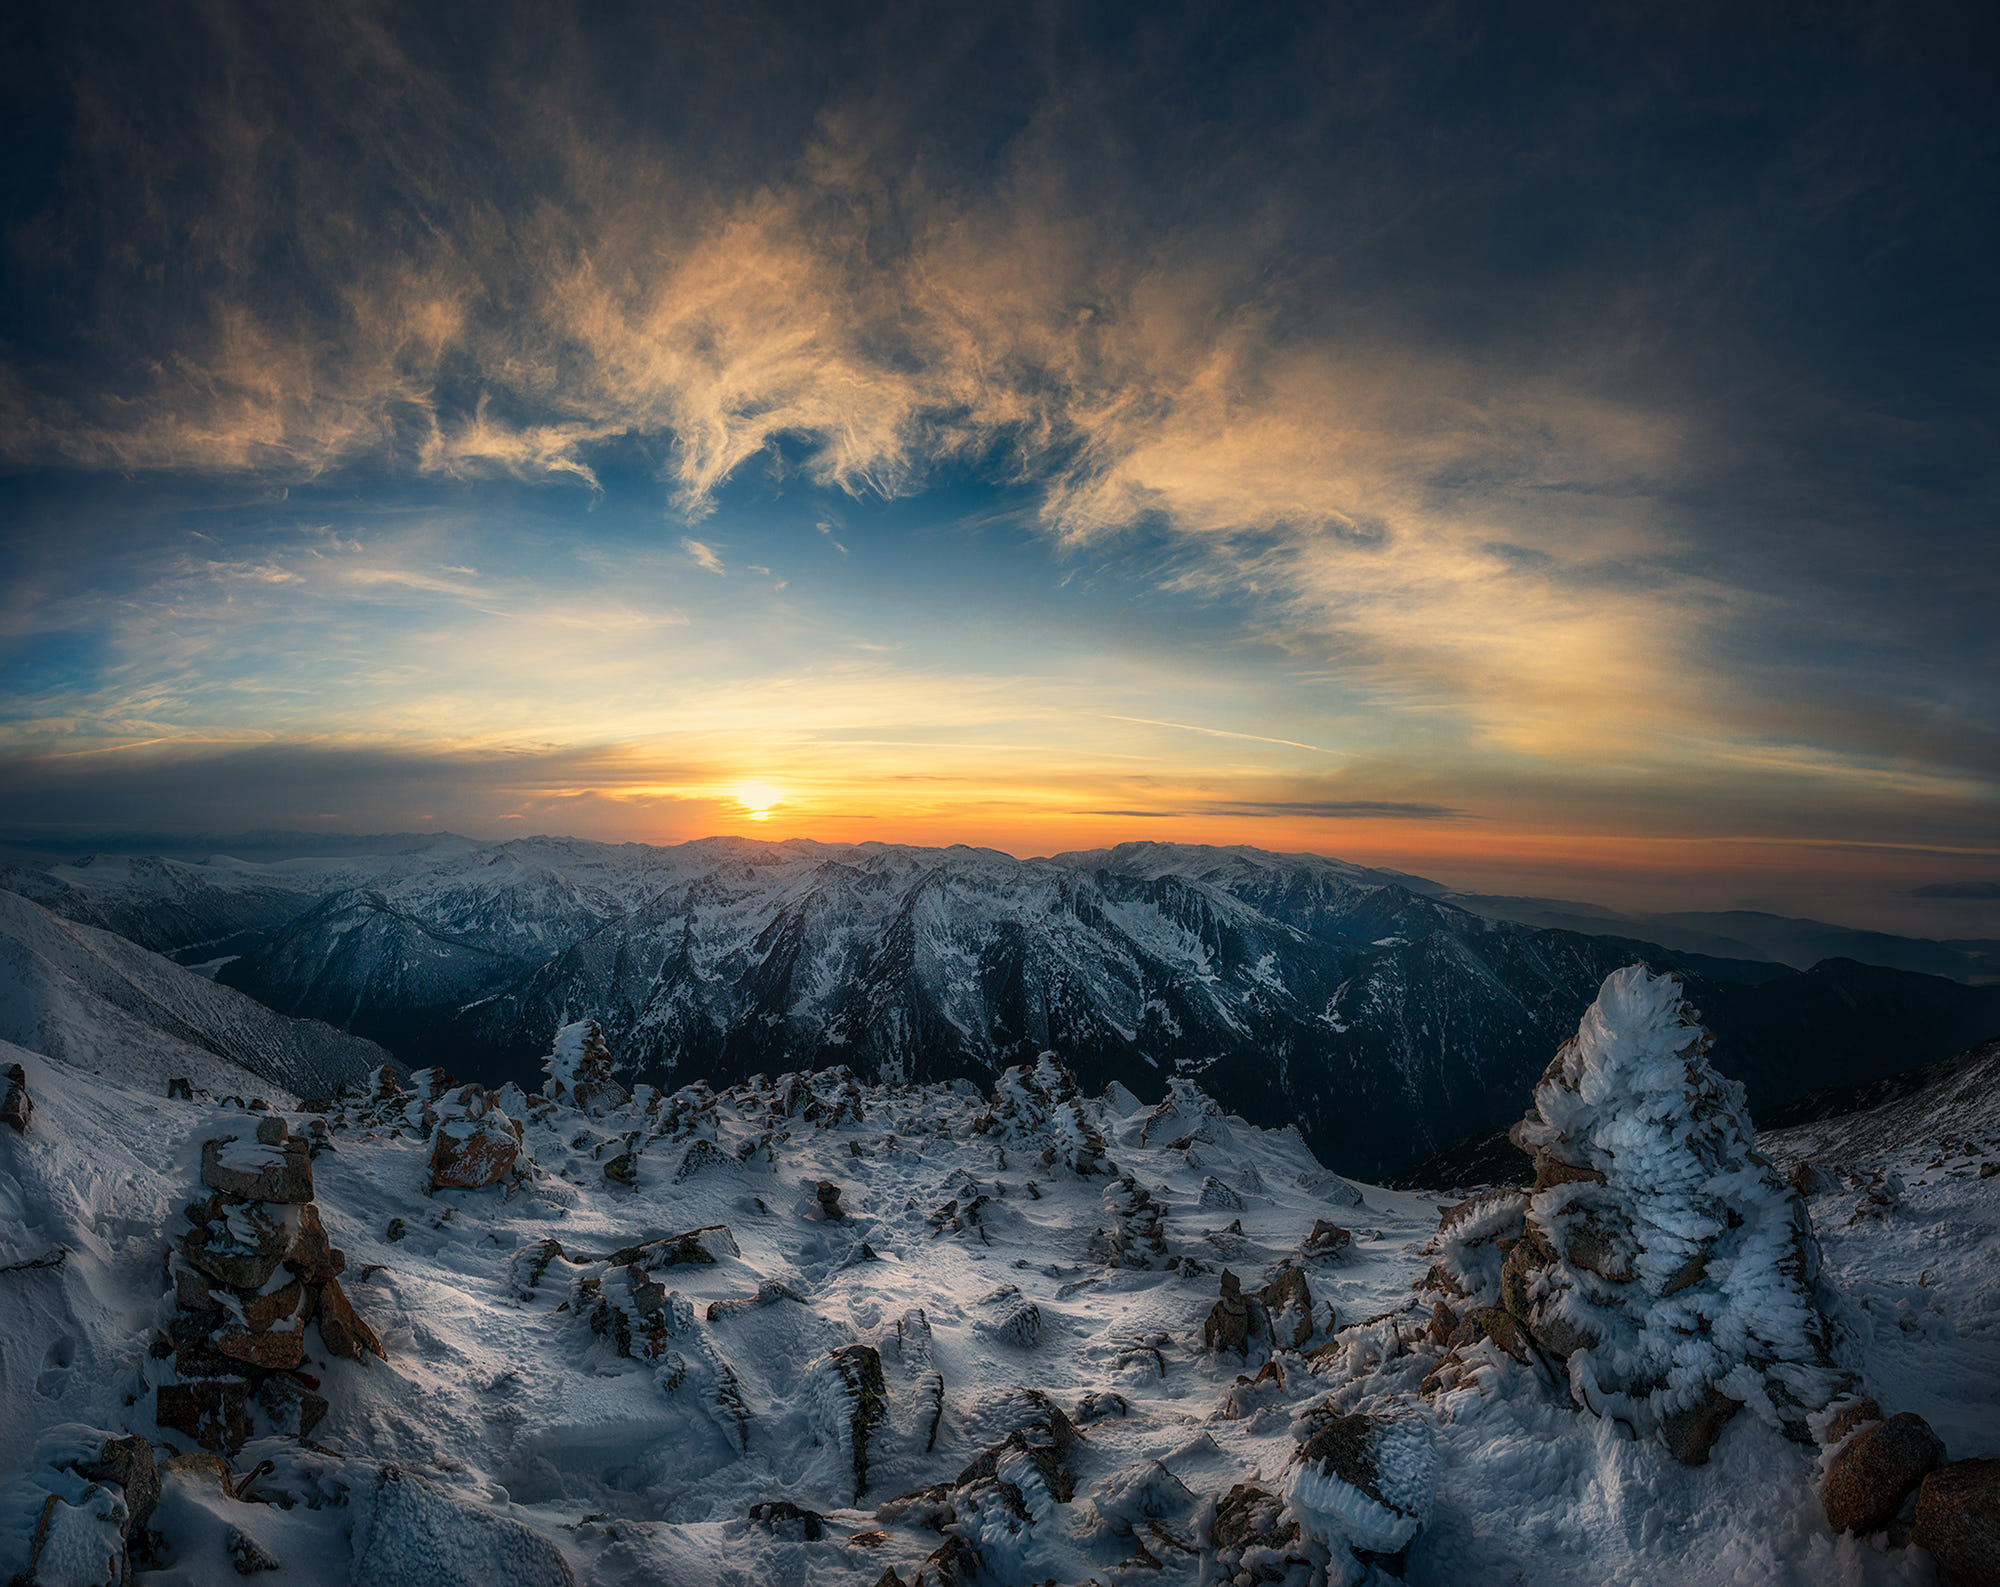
[1364, 1482]
[1659, 1254]
[1039, 1106]
[581, 1067]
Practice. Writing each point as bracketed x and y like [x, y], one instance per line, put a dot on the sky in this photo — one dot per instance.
[1549, 449]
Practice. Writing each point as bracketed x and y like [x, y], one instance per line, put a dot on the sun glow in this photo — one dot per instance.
[758, 800]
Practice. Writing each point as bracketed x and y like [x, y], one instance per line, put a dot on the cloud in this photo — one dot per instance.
[1339, 809]
[704, 556]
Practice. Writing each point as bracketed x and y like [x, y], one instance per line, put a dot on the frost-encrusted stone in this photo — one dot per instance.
[1659, 1254]
[850, 1401]
[580, 1067]
[1038, 1105]
[1364, 1482]
[410, 1530]
[1135, 1237]
[1215, 1194]
[1008, 1315]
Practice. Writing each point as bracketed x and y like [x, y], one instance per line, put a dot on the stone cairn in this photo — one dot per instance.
[1658, 1265]
[254, 1270]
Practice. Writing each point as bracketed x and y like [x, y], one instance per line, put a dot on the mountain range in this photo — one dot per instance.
[1375, 1011]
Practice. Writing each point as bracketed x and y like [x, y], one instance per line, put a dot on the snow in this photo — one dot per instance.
[505, 1438]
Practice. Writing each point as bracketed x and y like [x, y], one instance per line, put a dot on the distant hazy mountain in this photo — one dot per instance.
[1751, 934]
[1383, 1020]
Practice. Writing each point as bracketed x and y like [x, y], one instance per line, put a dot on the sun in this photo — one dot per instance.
[758, 799]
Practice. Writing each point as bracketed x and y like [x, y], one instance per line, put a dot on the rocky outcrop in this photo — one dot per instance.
[1038, 1107]
[580, 1068]
[1288, 1304]
[852, 1401]
[1363, 1483]
[1870, 1475]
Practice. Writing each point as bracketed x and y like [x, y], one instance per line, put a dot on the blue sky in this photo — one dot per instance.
[1551, 452]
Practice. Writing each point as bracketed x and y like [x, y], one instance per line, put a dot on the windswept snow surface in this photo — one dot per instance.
[994, 1272]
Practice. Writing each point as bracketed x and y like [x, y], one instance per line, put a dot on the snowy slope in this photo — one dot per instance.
[977, 1263]
[97, 1001]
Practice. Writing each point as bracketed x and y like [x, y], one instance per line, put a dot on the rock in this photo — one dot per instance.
[291, 1408]
[1214, 1193]
[16, 1105]
[953, 1563]
[1047, 1438]
[1958, 1520]
[1288, 1302]
[623, 1169]
[702, 1156]
[1871, 1474]
[341, 1328]
[270, 1307]
[1228, 1325]
[1495, 1323]
[128, 1462]
[77, 1545]
[1327, 1240]
[214, 1413]
[699, 1247]
[257, 1170]
[395, 1231]
[247, 1554]
[1855, 1413]
[1444, 1323]
[1809, 1181]
[785, 1519]
[313, 1256]
[827, 1193]
[1988, 1170]
[1690, 1433]
[472, 1153]
[1255, 1540]
[272, 1351]
[1364, 1481]
[1010, 1317]
[237, 1246]
[179, 1087]
[851, 1395]
[409, 1530]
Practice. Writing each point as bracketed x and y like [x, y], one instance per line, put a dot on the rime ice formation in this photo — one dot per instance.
[1658, 1258]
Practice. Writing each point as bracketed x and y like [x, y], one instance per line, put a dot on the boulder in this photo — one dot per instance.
[274, 1350]
[1009, 1316]
[16, 1104]
[1327, 1240]
[1690, 1433]
[702, 1156]
[1215, 1194]
[213, 1412]
[1855, 1413]
[953, 1563]
[255, 1169]
[1288, 1303]
[240, 1246]
[827, 1194]
[1871, 1474]
[1228, 1325]
[77, 1545]
[784, 1519]
[128, 1463]
[472, 1153]
[313, 1256]
[623, 1169]
[1958, 1520]
[1256, 1539]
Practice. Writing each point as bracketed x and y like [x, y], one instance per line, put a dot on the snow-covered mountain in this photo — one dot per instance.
[815, 1331]
[94, 1000]
[1382, 1020]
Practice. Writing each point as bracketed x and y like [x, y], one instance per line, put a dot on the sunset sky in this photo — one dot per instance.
[1552, 449]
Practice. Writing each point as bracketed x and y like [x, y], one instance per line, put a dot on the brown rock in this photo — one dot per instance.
[953, 1563]
[213, 1413]
[242, 1251]
[313, 1255]
[1690, 1434]
[273, 1351]
[1288, 1302]
[283, 1175]
[1855, 1413]
[1958, 1520]
[264, 1312]
[1327, 1239]
[1876, 1470]
[1444, 1323]
[1491, 1322]
[472, 1154]
[1552, 1170]
[1228, 1324]
[341, 1329]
